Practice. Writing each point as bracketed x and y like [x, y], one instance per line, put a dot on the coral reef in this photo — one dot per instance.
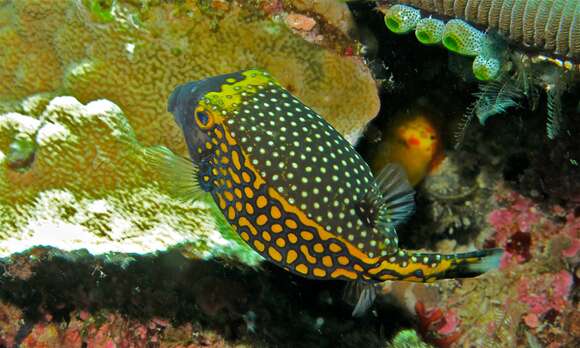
[104, 329]
[535, 284]
[135, 53]
[131, 265]
[529, 298]
[75, 177]
[500, 191]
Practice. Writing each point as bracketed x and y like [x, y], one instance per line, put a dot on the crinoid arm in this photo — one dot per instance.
[554, 121]
[495, 97]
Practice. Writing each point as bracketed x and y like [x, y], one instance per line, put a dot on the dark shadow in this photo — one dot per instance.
[263, 305]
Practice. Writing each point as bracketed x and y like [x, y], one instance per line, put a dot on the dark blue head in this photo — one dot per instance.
[183, 103]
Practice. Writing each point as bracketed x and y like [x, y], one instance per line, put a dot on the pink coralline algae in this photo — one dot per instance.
[113, 332]
[531, 297]
[101, 330]
[521, 226]
[545, 296]
[572, 232]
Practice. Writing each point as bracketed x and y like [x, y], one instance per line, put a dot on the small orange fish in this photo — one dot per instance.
[413, 141]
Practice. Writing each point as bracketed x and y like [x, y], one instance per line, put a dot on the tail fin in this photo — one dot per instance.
[471, 264]
[428, 267]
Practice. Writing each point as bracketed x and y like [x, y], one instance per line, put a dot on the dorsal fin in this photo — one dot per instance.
[398, 195]
[392, 204]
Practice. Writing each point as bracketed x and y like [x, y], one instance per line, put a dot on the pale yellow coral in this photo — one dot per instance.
[78, 147]
[90, 186]
[136, 55]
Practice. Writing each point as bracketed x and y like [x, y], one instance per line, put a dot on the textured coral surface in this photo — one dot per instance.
[89, 186]
[135, 53]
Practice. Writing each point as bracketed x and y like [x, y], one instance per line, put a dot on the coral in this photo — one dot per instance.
[85, 183]
[521, 226]
[10, 319]
[300, 22]
[531, 296]
[545, 295]
[134, 53]
[176, 300]
[334, 13]
[106, 329]
[533, 287]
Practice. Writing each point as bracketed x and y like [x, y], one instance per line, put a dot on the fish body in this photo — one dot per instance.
[296, 191]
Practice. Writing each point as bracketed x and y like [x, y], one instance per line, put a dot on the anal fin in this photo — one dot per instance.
[361, 294]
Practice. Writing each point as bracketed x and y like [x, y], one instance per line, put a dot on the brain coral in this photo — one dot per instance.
[135, 52]
[86, 184]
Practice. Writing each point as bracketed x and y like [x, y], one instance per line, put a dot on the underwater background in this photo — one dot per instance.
[477, 100]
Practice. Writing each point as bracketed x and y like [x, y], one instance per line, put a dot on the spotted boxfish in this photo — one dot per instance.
[296, 191]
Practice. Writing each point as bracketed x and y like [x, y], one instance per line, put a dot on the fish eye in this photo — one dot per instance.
[203, 119]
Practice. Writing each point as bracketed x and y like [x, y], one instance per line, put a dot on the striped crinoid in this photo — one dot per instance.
[545, 26]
